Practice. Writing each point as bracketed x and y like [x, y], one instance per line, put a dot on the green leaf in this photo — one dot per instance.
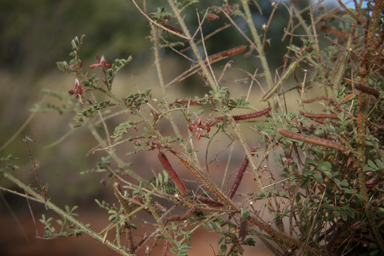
[73, 44]
[42, 220]
[249, 241]
[304, 184]
[244, 213]
[368, 169]
[344, 216]
[372, 164]
[344, 184]
[186, 246]
[359, 196]
[349, 191]
[379, 164]
[205, 226]
[306, 172]
[270, 132]
[325, 166]
[309, 161]
[318, 178]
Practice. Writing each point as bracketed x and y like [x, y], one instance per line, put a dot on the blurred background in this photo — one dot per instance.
[34, 35]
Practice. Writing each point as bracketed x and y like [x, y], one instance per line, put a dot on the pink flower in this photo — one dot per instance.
[79, 91]
[199, 128]
[372, 183]
[227, 8]
[101, 63]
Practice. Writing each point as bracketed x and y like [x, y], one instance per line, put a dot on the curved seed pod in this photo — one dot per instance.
[227, 53]
[167, 166]
[321, 116]
[334, 32]
[208, 201]
[312, 140]
[239, 176]
[202, 177]
[318, 99]
[246, 116]
[174, 218]
[368, 90]
[243, 230]
[283, 78]
[211, 16]
[173, 29]
[350, 97]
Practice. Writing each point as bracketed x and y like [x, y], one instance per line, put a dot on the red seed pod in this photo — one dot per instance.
[239, 176]
[321, 116]
[312, 140]
[347, 98]
[174, 218]
[368, 90]
[211, 16]
[227, 53]
[246, 116]
[334, 31]
[201, 177]
[173, 29]
[171, 172]
[337, 33]
[208, 201]
[318, 99]
[243, 230]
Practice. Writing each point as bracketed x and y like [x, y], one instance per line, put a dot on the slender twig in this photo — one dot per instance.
[157, 24]
[26, 139]
[161, 80]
